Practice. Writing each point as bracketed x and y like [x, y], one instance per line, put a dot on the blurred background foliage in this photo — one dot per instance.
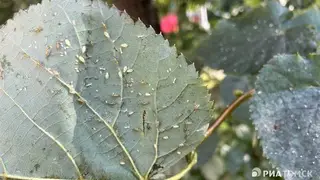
[233, 150]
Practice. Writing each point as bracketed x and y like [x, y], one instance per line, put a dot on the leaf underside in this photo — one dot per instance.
[285, 111]
[87, 93]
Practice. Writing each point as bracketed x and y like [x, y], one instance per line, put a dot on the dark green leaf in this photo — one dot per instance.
[243, 45]
[286, 113]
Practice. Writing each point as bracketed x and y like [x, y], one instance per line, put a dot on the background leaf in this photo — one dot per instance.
[285, 111]
[83, 88]
[242, 45]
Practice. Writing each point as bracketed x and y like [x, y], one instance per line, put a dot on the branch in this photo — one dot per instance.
[228, 111]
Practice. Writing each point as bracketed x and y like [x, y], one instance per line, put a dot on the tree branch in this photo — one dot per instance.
[228, 111]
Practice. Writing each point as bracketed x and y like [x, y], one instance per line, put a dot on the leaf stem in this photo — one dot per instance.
[194, 158]
[228, 111]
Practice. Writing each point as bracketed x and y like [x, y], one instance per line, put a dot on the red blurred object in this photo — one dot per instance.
[169, 23]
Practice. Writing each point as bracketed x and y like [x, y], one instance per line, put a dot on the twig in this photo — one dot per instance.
[228, 111]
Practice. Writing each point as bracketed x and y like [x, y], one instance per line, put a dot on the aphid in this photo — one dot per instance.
[124, 45]
[174, 80]
[106, 75]
[275, 127]
[106, 34]
[115, 95]
[120, 74]
[68, 43]
[130, 113]
[104, 26]
[25, 55]
[129, 70]
[143, 82]
[165, 137]
[144, 115]
[89, 84]
[81, 101]
[175, 126]
[72, 90]
[84, 49]
[125, 68]
[1, 74]
[147, 94]
[77, 69]
[48, 51]
[178, 152]
[81, 59]
[122, 163]
[196, 107]
[38, 29]
[143, 119]
[58, 45]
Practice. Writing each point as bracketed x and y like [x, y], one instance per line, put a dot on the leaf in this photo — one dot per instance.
[285, 111]
[86, 93]
[207, 149]
[243, 45]
[309, 16]
[227, 88]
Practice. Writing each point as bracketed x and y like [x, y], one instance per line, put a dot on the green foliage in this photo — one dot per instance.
[285, 111]
[244, 44]
[86, 93]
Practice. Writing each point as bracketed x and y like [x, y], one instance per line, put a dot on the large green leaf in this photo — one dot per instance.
[286, 113]
[86, 93]
[244, 44]
[309, 16]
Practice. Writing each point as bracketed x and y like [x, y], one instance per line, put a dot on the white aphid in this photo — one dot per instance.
[106, 75]
[68, 43]
[84, 49]
[120, 74]
[125, 69]
[175, 126]
[124, 45]
[106, 34]
[81, 59]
